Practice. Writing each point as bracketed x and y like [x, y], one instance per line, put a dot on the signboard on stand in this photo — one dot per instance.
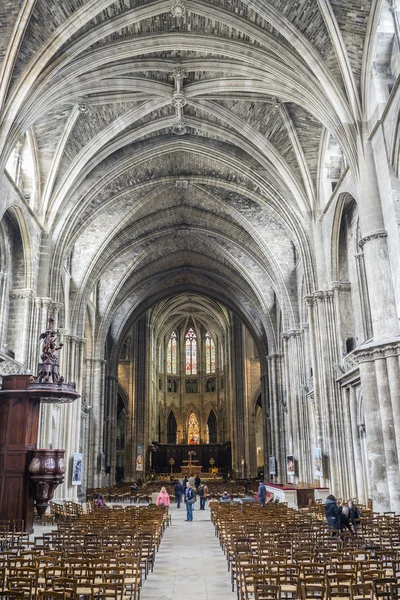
[139, 458]
[77, 469]
[290, 464]
[318, 469]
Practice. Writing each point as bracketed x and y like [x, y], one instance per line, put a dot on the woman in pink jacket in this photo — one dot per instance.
[163, 498]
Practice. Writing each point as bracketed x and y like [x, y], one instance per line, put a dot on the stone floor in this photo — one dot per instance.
[190, 562]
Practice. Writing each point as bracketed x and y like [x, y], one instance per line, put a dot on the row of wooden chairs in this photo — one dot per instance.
[86, 557]
[302, 557]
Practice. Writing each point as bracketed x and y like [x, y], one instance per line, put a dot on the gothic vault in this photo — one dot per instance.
[222, 166]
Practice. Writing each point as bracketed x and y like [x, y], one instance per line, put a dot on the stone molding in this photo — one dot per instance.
[101, 361]
[292, 333]
[21, 294]
[275, 356]
[379, 351]
[381, 233]
[342, 286]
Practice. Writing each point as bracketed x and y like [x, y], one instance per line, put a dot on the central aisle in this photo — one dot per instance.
[190, 562]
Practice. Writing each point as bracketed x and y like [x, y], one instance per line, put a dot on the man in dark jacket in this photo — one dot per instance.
[189, 500]
[332, 512]
[178, 489]
[262, 493]
[197, 482]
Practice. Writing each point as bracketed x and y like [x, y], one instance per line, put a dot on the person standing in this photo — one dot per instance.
[262, 493]
[332, 512]
[178, 489]
[190, 500]
[197, 482]
[201, 494]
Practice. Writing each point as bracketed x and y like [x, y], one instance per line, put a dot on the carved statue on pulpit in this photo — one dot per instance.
[48, 368]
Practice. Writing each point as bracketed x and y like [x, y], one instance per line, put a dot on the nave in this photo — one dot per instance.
[190, 561]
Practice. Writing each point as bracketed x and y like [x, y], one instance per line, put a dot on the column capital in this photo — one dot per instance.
[378, 351]
[43, 302]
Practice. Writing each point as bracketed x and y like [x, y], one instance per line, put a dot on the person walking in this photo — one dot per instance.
[190, 500]
[262, 493]
[178, 489]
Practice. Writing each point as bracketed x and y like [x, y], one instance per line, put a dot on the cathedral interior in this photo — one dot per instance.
[205, 196]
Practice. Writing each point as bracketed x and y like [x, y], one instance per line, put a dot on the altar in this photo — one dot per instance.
[193, 470]
[191, 466]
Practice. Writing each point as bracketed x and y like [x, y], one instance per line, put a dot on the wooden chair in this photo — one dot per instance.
[361, 591]
[13, 595]
[266, 591]
[52, 595]
[3, 575]
[370, 575]
[22, 584]
[312, 591]
[383, 588]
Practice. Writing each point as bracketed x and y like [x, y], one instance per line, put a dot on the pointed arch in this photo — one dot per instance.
[172, 428]
[212, 428]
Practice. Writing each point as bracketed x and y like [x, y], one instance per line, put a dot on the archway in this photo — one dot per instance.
[171, 429]
[212, 428]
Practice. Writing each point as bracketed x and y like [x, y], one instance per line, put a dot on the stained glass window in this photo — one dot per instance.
[191, 351]
[193, 430]
[210, 354]
[207, 434]
[171, 354]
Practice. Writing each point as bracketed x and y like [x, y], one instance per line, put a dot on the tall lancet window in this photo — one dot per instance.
[191, 351]
[210, 354]
[193, 430]
[171, 354]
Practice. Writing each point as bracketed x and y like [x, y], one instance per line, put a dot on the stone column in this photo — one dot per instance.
[4, 307]
[95, 395]
[356, 446]
[19, 325]
[110, 425]
[274, 407]
[374, 244]
[324, 351]
[296, 387]
[138, 404]
[238, 403]
[380, 386]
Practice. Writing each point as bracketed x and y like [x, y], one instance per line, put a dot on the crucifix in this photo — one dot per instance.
[178, 101]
